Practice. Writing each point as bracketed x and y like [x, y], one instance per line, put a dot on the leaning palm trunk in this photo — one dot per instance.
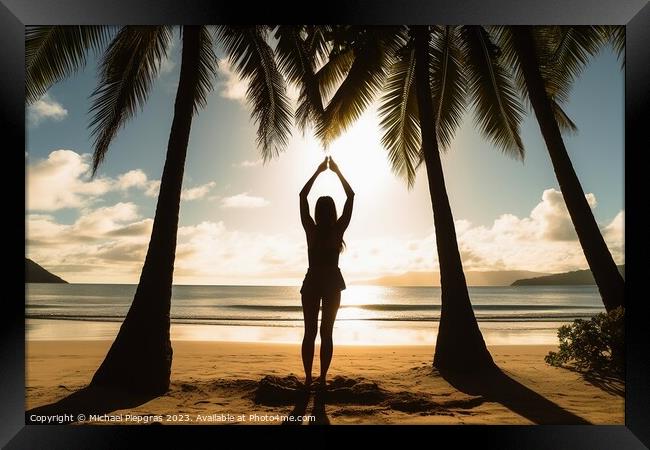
[460, 345]
[609, 280]
[141, 355]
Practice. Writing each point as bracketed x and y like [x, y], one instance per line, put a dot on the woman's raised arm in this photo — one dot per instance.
[344, 220]
[305, 218]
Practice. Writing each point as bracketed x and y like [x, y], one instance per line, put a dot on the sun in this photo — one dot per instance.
[360, 156]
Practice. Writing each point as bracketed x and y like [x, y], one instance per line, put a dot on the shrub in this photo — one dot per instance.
[595, 345]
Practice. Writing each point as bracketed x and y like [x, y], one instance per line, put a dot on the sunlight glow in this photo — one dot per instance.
[364, 295]
[360, 156]
[346, 332]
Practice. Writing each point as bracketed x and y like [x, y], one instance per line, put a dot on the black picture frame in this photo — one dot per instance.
[634, 14]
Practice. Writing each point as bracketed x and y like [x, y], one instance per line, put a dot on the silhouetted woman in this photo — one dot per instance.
[323, 280]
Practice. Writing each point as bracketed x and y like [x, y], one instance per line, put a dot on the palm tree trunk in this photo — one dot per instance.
[140, 357]
[460, 345]
[608, 278]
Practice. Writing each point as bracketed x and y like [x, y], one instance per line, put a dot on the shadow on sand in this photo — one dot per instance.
[297, 415]
[319, 413]
[496, 386]
[488, 386]
[299, 410]
[608, 383]
[88, 401]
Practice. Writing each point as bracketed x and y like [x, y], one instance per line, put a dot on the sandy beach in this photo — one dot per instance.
[225, 382]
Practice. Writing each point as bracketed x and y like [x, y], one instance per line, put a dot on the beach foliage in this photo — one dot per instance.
[595, 345]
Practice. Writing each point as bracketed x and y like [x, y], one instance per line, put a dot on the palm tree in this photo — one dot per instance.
[140, 357]
[459, 343]
[546, 60]
[427, 74]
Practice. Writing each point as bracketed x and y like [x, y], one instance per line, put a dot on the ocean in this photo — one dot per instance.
[368, 314]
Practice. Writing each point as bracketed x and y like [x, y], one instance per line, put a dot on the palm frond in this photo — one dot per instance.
[55, 52]
[399, 118]
[334, 70]
[615, 36]
[563, 120]
[207, 69]
[563, 53]
[317, 43]
[253, 59]
[503, 38]
[372, 47]
[297, 57]
[448, 83]
[127, 71]
[498, 111]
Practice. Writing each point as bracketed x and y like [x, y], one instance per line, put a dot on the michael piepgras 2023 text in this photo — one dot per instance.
[170, 418]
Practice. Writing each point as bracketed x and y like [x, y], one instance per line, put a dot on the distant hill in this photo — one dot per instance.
[36, 274]
[577, 277]
[474, 278]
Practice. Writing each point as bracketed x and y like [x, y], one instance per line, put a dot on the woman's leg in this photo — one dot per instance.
[330, 308]
[310, 306]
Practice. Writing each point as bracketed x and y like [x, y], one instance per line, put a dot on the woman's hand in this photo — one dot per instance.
[322, 167]
[333, 166]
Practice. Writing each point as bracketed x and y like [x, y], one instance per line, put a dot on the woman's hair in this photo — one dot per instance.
[325, 215]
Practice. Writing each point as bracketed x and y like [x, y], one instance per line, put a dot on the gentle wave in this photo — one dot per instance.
[369, 307]
[269, 321]
[368, 313]
[411, 307]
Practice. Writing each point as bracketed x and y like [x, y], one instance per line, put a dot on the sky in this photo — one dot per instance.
[239, 219]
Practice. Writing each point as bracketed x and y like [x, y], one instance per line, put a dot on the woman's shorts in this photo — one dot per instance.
[321, 282]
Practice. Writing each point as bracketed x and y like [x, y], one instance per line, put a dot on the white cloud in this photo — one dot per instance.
[140, 228]
[249, 163]
[614, 235]
[210, 251]
[132, 178]
[62, 181]
[46, 108]
[616, 229]
[552, 215]
[244, 201]
[231, 86]
[105, 219]
[152, 189]
[197, 192]
[137, 179]
[544, 241]
[108, 244]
